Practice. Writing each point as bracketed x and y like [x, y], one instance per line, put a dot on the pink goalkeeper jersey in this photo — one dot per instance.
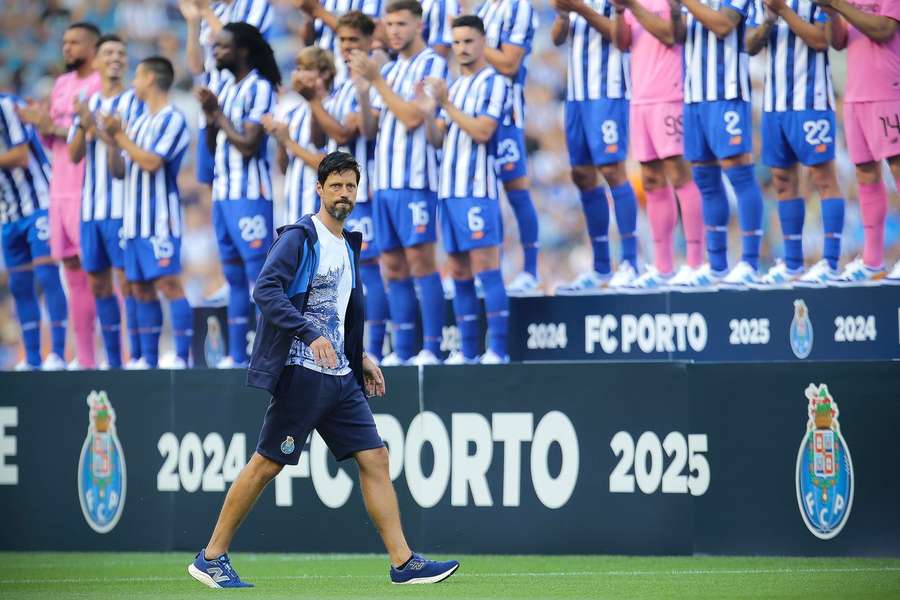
[873, 72]
[655, 68]
[66, 177]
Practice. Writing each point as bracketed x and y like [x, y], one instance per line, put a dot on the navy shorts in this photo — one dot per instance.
[304, 400]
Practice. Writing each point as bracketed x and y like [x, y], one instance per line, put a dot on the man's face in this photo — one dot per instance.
[402, 28]
[353, 39]
[78, 47]
[224, 51]
[112, 60]
[143, 81]
[468, 45]
[338, 194]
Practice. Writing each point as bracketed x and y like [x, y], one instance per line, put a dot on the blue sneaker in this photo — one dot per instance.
[216, 573]
[421, 570]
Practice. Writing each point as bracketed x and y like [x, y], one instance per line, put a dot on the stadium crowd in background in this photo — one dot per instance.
[752, 122]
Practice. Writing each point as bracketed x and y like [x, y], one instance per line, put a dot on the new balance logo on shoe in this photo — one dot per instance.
[217, 575]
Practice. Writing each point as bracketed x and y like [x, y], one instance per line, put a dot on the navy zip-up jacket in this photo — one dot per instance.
[281, 292]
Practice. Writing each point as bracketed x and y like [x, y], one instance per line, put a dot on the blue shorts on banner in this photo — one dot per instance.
[468, 223]
[244, 228]
[512, 159]
[717, 130]
[206, 162]
[405, 218]
[597, 131]
[147, 259]
[26, 239]
[304, 400]
[804, 136]
[361, 220]
[102, 245]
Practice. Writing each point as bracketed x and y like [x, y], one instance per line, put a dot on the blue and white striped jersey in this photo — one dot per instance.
[437, 15]
[255, 12]
[511, 22]
[797, 77]
[239, 178]
[597, 69]
[341, 105]
[23, 190]
[717, 69]
[327, 38]
[152, 201]
[300, 178]
[403, 159]
[102, 195]
[467, 167]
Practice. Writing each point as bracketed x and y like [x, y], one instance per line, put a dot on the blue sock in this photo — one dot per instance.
[792, 213]
[750, 210]
[182, 327]
[131, 322]
[496, 305]
[150, 319]
[377, 311]
[526, 217]
[596, 214]
[111, 327]
[402, 302]
[625, 205]
[715, 214]
[21, 285]
[431, 294]
[833, 223]
[466, 309]
[55, 298]
[238, 310]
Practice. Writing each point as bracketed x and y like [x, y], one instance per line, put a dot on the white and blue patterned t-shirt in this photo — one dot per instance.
[327, 300]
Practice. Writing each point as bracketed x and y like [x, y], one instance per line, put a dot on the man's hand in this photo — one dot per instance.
[189, 10]
[208, 100]
[361, 84]
[363, 66]
[277, 129]
[323, 353]
[304, 82]
[775, 6]
[38, 115]
[373, 378]
[437, 88]
[623, 4]
[85, 117]
[425, 100]
[826, 3]
[308, 6]
[111, 125]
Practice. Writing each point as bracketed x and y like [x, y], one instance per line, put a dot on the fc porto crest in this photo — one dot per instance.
[101, 467]
[287, 446]
[801, 330]
[824, 468]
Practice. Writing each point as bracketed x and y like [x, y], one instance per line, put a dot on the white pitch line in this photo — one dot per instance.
[537, 574]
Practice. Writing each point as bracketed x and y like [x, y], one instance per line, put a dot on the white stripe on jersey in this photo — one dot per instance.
[23, 190]
[467, 167]
[102, 195]
[152, 202]
[437, 16]
[341, 105]
[596, 68]
[511, 22]
[327, 38]
[717, 69]
[236, 177]
[404, 159]
[300, 178]
[797, 77]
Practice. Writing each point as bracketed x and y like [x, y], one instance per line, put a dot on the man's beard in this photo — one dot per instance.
[340, 210]
[75, 65]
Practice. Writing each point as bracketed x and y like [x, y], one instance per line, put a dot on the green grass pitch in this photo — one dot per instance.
[135, 576]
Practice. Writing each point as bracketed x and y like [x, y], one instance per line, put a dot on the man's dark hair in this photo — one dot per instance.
[89, 27]
[413, 6]
[473, 21]
[162, 69]
[109, 37]
[259, 53]
[337, 162]
[357, 20]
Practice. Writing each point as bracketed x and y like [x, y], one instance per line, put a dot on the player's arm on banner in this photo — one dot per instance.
[879, 28]
[813, 34]
[720, 22]
[15, 137]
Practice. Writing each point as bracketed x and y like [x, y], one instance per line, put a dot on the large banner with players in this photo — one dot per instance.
[671, 458]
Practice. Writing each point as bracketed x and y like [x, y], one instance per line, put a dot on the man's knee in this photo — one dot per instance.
[374, 462]
[584, 177]
[264, 469]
